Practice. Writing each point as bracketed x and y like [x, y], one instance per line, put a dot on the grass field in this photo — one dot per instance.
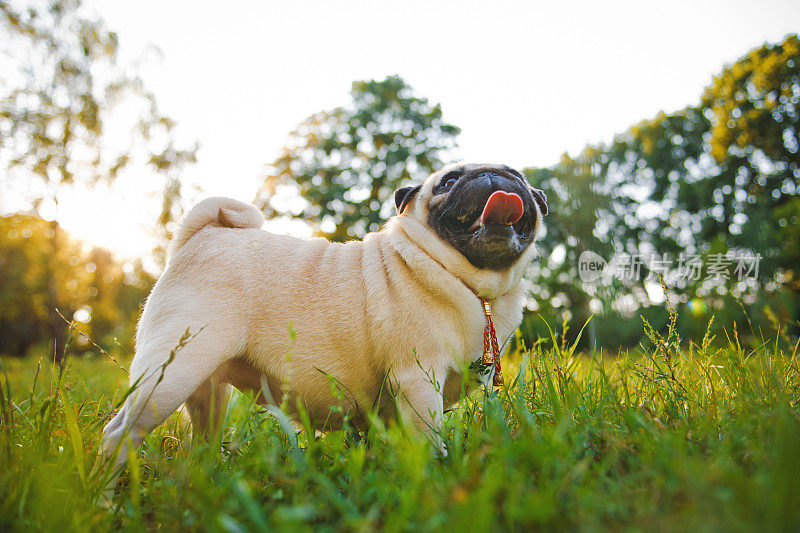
[674, 436]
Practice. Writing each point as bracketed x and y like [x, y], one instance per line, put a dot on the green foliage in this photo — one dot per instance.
[719, 176]
[35, 274]
[674, 436]
[70, 113]
[579, 219]
[727, 169]
[755, 106]
[347, 162]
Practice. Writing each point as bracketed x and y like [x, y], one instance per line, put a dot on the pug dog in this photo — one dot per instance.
[387, 323]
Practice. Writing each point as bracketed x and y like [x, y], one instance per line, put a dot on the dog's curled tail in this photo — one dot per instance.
[219, 212]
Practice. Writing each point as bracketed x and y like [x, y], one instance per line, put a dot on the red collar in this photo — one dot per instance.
[491, 349]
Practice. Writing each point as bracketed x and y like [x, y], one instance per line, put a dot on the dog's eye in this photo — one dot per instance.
[449, 179]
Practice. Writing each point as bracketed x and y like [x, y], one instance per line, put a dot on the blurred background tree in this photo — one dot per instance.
[580, 212]
[754, 109]
[727, 170]
[71, 115]
[101, 293]
[346, 163]
[723, 175]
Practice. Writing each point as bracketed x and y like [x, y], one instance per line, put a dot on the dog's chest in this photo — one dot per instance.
[472, 330]
[505, 317]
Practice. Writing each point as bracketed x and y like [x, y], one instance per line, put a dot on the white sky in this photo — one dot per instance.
[525, 81]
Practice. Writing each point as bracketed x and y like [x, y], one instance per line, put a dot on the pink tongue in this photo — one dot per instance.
[502, 208]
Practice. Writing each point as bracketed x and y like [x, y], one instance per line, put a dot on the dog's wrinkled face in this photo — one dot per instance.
[487, 212]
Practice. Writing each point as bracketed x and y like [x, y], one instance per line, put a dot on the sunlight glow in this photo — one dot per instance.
[541, 79]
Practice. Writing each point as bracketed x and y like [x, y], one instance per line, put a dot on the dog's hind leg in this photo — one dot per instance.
[207, 407]
[162, 385]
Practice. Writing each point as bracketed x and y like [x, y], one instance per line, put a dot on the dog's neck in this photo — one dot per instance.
[414, 239]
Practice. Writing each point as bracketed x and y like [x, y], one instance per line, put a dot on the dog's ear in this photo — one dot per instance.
[403, 196]
[541, 200]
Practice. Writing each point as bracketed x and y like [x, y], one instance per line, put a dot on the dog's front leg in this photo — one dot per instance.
[420, 402]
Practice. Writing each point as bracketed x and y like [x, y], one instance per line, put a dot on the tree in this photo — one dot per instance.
[722, 175]
[579, 220]
[102, 294]
[71, 114]
[725, 172]
[754, 108]
[346, 163]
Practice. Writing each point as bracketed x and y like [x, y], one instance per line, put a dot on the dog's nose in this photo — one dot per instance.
[488, 176]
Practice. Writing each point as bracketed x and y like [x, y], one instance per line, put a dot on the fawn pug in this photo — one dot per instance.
[333, 324]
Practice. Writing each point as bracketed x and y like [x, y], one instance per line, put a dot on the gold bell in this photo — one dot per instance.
[497, 381]
[488, 359]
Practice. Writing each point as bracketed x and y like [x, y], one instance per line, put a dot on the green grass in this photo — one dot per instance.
[673, 437]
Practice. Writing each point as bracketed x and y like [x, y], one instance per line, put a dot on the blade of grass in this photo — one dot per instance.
[74, 433]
